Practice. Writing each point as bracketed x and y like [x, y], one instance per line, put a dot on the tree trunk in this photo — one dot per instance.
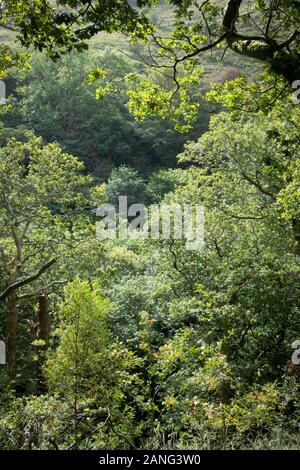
[44, 320]
[280, 58]
[42, 334]
[11, 340]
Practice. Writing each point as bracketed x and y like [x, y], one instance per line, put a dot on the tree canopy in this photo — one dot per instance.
[139, 342]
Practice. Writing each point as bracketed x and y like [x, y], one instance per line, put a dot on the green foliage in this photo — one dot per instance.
[156, 346]
[152, 99]
[42, 207]
[40, 185]
[151, 345]
[83, 342]
[288, 198]
[125, 181]
[63, 26]
[34, 422]
[242, 94]
[10, 59]
[57, 101]
[162, 183]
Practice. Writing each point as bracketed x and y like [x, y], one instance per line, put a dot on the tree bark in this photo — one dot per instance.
[280, 58]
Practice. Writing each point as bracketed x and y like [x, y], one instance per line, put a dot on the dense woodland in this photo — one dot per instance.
[144, 344]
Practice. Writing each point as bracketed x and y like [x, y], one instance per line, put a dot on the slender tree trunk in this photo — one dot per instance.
[11, 340]
[44, 320]
[43, 332]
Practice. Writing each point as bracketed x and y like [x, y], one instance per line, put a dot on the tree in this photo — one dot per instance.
[263, 150]
[245, 172]
[40, 188]
[89, 367]
[81, 363]
[264, 31]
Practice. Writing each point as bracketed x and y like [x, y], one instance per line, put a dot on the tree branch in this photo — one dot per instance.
[28, 280]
